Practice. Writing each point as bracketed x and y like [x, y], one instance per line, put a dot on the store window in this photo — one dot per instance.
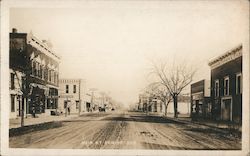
[12, 100]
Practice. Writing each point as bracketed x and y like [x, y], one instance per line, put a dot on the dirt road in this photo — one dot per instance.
[126, 130]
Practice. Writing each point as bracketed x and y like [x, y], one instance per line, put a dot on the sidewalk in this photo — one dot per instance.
[16, 123]
[185, 118]
[210, 123]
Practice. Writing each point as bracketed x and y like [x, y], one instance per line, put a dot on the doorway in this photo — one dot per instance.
[226, 109]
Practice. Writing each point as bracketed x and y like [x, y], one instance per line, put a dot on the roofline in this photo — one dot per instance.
[220, 57]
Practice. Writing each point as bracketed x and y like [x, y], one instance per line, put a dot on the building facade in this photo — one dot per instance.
[150, 104]
[226, 85]
[71, 96]
[34, 71]
[200, 100]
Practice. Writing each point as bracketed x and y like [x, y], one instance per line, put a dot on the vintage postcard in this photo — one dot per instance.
[108, 77]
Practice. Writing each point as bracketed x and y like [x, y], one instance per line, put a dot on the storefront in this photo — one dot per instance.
[200, 100]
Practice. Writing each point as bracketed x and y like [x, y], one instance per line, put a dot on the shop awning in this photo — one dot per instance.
[46, 89]
[52, 86]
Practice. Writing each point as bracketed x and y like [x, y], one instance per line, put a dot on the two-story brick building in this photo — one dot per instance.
[34, 74]
[226, 85]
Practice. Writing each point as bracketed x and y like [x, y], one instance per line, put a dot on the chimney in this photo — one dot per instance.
[14, 30]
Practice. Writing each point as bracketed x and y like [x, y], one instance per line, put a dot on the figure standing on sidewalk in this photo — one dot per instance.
[69, 110]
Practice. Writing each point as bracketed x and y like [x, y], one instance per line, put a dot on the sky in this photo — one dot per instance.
[111, 44]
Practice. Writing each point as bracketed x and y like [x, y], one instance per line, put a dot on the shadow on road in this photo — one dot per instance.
[140, 118]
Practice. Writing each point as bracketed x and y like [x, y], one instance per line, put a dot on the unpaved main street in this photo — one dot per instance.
[126, 130]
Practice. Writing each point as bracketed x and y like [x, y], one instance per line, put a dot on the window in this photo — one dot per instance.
[41, 72]
[34, 68]
[46, 72]
[12, 100]
[74, 91]
[216, 89]
[12, 81]
[67, 88]
[49, 75]
[37, 69]
[226, 86]
[239, 83]
[54, 77]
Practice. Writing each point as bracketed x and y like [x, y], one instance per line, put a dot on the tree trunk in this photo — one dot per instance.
[166, 109]
[175, 98]
[22, 114]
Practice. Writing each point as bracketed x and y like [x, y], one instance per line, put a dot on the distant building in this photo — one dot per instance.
[87, 99]
[71, 94]
[226, 85]
[200, 100]
[33, 75]
[150, 104]
[143, 102]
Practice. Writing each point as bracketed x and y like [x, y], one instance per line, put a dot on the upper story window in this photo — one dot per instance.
[37, 69]
[216, 88]
[43, 72]
[52, 76]
[33, 68]
[46, 73]
[67, 88]
[40, 71]
[12, 81]
[226, 86]
[74, 89]
[55, 77]
[239, 83]
[49, 75]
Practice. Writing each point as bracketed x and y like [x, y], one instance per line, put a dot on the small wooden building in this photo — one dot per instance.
[200, 100]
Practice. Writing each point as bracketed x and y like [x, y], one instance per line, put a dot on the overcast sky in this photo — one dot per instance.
[110, 44]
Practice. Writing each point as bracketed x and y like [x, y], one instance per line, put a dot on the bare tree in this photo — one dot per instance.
[175, 78]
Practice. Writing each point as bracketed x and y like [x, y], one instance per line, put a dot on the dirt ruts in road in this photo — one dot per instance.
[127, 131]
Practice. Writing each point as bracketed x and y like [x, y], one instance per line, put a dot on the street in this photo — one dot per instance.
[126, 130]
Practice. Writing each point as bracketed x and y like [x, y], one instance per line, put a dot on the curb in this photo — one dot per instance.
[35, 127]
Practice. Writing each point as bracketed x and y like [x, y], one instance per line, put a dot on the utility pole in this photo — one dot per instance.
[92, 96]
[79, 108]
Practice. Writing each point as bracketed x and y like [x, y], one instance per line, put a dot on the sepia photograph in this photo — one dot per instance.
[142, 77]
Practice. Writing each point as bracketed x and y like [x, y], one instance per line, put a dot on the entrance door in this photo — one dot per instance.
[226, 110]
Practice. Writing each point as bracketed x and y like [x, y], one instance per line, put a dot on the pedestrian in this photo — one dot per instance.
[68, 110]
[33, 112]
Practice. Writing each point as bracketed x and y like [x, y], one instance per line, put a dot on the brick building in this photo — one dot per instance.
[226, 85]
[71, 96]
[34, 73]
